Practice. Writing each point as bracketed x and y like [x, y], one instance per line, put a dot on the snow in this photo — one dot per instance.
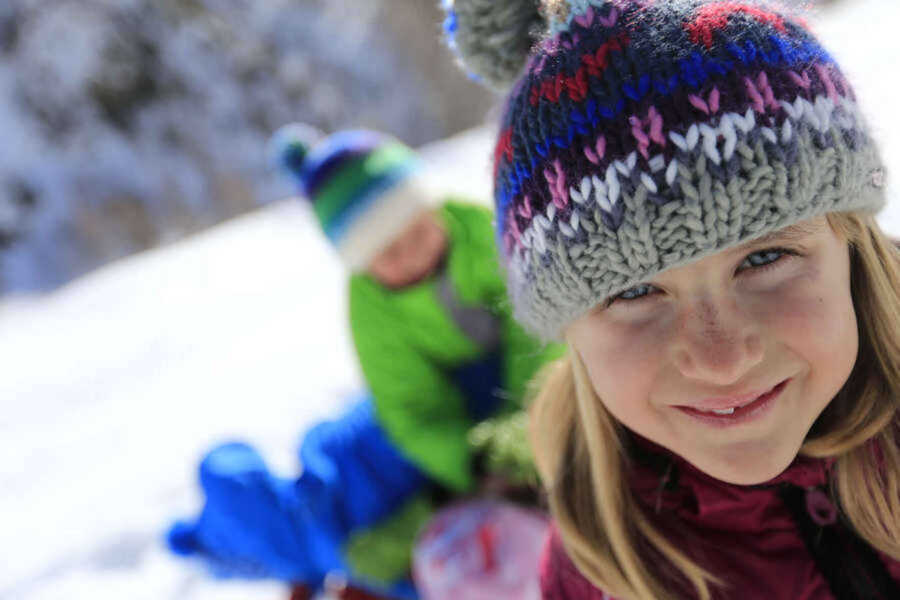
[115, 384]
[123, 378]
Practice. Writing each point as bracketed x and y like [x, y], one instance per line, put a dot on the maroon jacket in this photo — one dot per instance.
[751, 536]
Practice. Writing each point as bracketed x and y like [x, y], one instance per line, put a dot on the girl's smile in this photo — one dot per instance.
[735, 410]
[729, 360]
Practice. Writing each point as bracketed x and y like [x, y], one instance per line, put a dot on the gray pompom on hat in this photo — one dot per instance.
[493, 39]
[641, 135]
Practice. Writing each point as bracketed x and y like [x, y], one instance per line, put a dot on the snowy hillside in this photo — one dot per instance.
[113, 385]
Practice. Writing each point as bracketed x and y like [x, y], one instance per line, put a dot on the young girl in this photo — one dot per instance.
[685, 193]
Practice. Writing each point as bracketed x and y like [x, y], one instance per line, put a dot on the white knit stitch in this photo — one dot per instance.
[678, 140]
[612, 185]
[747, 122]
[599, 186]
[792, 111]
[648, 183]
[543, 222]
[726, 127]
[581, 195]
[657, 163]
[787, 131]
[672, 171]
[627, 166]
[585, 187]
[710, 138]
[692, 137]
[601, 194]
[824, 109]
[811, 116]
[604, 204]
[576, 195]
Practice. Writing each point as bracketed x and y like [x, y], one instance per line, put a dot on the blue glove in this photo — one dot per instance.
[254, 525]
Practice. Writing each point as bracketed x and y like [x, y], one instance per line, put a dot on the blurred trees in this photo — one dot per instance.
[129, 123]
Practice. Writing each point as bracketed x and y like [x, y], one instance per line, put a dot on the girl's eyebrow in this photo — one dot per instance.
[791, 234]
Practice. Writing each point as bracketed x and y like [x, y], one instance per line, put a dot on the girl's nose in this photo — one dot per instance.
[717, 343]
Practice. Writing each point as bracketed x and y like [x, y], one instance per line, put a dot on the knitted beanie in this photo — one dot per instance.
[363, 186]
[640, 135]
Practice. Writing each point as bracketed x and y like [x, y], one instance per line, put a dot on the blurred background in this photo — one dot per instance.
[160, 291]
[132, 123]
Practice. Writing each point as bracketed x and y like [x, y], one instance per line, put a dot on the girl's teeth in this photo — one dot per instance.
[727, 411]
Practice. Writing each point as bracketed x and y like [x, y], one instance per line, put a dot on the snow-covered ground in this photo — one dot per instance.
[112, 386]
[115, 385]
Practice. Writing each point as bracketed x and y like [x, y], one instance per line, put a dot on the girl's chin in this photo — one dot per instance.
[749, 467]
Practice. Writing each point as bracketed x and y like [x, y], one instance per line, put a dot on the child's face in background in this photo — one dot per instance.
[413, 255]
[767, 328]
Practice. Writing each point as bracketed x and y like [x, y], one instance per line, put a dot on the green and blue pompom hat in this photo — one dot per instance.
[363, 186]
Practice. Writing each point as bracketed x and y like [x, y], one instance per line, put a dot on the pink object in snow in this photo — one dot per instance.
[481, 550]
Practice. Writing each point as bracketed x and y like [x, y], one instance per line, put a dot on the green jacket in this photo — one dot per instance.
[408, 341]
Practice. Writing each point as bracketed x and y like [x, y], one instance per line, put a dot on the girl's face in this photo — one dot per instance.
[729, 360]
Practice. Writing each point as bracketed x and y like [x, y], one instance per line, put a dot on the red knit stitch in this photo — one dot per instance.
[592, 65]
[713, 17]
[503, 148]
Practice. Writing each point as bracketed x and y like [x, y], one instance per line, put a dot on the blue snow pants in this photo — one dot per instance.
[255, 524]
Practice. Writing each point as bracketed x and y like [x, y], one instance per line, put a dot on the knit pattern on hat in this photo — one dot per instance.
[647, 134]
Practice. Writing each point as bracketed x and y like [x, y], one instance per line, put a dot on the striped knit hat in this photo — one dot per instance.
[362, 186]
[640, 135]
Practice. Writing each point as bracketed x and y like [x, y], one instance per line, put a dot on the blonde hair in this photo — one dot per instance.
[582, 452]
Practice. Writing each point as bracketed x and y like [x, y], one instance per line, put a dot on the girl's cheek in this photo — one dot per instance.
[645, 328]
[621, 351]
[815, 308]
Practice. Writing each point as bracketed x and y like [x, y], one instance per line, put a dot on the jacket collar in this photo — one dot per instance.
[664, 483]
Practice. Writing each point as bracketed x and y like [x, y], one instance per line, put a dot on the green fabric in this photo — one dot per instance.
[407, 343]
[383, 554]
[343, 188]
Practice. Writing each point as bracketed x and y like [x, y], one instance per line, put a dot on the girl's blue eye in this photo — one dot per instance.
[762, 258]
[755, 260]
[638, 291]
